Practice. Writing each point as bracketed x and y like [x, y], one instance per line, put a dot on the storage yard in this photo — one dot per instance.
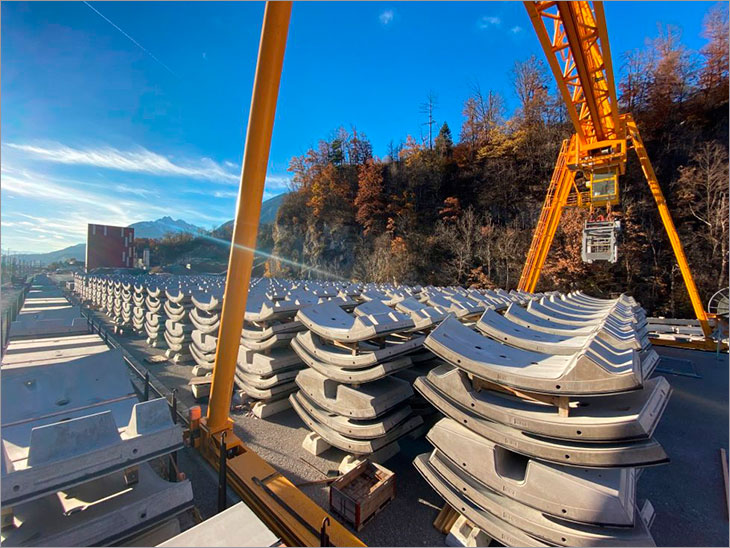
[174, 406]
[695, 417]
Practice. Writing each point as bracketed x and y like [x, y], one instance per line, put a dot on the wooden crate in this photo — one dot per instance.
[362, 492]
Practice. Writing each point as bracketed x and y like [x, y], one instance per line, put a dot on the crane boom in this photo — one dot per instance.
[575, 42]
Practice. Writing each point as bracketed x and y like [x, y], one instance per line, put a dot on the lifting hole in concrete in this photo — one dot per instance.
[62, 402]
[16, 488]
[557, 386]
[330, 389]
[578, 432]
[502, 356]
[478, 347]
[510, 464]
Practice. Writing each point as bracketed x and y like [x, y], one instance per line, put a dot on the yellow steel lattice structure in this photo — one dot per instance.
[574, 38]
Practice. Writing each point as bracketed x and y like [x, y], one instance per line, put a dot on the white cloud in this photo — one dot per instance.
[226, 194]
[489, 21]
[386, 17]
[516, 29]
[137, 161]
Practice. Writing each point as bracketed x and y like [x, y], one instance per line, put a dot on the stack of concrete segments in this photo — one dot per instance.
[178, 326]
[351, 396]
[139, 307]
[155, 315]
[205, 318]
[547, 425]
[267, 365]
[126, 304]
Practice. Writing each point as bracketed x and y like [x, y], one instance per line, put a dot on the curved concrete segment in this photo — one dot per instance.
[586, 495]
[498, 529]
[595, 370]
[205, 342]
[276, 361]
[264, 383]
[367, 354]
[626, 416]
[618, 338]
[592, 455]
[351, 445]
[533, 522]
[504, 330]
[277, 391]
[254, 332]
[329, 321]
[369, 401]
[423, 316]
[566, 318]
[203, 359]
[351, 428]
[352, 376]
[208, 302]
[279, 340]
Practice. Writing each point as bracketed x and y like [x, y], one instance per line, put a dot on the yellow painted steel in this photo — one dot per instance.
[575, 43]
[253, 175]
[666, 216]
[561, 183]
[288, 512]
[276, 501]
[574, 38]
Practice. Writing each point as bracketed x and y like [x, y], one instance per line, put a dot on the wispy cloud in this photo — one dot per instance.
[386, 17]
[140, 46]
[489, 21]
[137, 161]
[516, 29]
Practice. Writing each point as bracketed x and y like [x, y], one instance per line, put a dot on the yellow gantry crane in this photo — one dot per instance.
[573, 35]
[574, 38]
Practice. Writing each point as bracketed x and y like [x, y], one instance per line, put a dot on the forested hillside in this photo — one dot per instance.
[460, 208]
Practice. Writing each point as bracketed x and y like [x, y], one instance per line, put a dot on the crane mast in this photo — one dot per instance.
[574, 38]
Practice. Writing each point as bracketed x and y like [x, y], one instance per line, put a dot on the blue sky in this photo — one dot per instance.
[117, 112]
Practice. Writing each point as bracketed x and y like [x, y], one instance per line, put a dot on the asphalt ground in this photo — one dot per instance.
[688, 493]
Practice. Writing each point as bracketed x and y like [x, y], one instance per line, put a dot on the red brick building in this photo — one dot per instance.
[109, 246]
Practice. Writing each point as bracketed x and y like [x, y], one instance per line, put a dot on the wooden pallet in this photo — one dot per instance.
[361, 493]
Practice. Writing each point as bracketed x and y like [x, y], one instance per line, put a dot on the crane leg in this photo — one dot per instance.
[661, 203]
[253, 174]
[560, 185]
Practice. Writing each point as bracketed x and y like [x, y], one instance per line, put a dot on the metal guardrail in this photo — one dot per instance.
[178, 410]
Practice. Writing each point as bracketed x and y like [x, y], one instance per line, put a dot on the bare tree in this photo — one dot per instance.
[428, 108]
[702, 189]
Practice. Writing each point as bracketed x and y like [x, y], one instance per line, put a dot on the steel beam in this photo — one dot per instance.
[253, 175]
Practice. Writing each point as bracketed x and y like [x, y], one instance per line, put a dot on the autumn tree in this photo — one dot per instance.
[714, 74]
[369, 201]
[451, 210]
[672, 71]
[531, 86]
[483, 114]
